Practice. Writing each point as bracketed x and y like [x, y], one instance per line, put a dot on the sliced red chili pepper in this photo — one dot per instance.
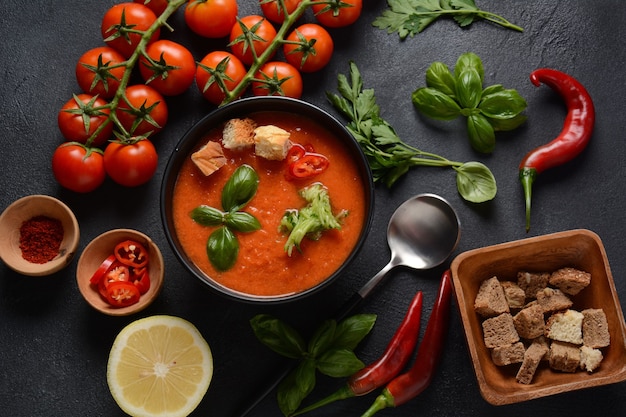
[131, 253]
[296, 152]
[122, 294]
[117, 273]
[102, 269]
[309, 165]
[141, 278]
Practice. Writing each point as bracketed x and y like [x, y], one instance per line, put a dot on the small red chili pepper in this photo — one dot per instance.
[410, 384]
[573, 138]
[296, 152]
[141, 278]
[131, 253]
[102, 269]
[309, 165]
[395, 357]
[122, 294]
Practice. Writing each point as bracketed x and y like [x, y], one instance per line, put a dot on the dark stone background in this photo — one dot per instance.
[54, 347]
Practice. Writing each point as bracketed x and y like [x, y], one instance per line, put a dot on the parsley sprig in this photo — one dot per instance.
[410, 17]
[388, 156]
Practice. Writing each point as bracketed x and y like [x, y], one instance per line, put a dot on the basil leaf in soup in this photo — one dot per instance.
[240, 188]
[207, 216]
[242, 221]
[222, 248]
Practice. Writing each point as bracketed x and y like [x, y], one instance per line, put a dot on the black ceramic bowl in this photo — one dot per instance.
[243, 108]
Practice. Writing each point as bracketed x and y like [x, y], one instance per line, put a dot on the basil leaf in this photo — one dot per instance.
[222, 248]
[278, 336]
[439, 77]
[338, 363]
[503, 104]
[240, 188]
[242, 221]
[496, 88]
[469, 88]
[507, 124]
[351, 331]
[481, 134]
[435, 104]
[322, 338]
[469, 60]
[296, 386]
[475, 182]
[207, 216]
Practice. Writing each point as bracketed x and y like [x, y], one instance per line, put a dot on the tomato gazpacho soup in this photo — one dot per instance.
[263, 267]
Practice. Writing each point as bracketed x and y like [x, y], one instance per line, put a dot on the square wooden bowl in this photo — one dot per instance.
[581, 249]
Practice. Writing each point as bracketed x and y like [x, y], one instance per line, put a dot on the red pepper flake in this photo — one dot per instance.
[40, 239]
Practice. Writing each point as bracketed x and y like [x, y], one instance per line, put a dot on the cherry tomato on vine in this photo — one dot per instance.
[99, 71]
[142, 110]
[211, 18]
[78, 168]
[172, 70]
[120, 23]
[81, 116]
[131, 164]
[219, 68]
[259, 31]
[274, 12]
[309, 47]
[157, 6]
[338, 14]
[279, 79]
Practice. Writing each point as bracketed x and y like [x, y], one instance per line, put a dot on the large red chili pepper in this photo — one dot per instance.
[391, 362]
[573, 138]
[410, 384]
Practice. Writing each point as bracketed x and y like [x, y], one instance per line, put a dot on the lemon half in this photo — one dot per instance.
[159, 366]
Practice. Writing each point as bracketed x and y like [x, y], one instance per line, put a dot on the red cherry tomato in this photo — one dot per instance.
[338, 14]
[275, 12]
[172, 69]
[216, 66]
[99, 71]
[122, 294]
[280, 78]
[309, 47]
[120, 24]
[157, 6]
[81, 116]
[131, 164]
[309, 165]
[142, 110]
[259, 31]
[78, 168]
[211, 18]
[131, 253]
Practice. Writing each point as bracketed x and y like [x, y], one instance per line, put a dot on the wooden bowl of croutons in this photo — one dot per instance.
[541, 316]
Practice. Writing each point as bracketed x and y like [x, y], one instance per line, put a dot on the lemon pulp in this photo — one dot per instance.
[159, 366]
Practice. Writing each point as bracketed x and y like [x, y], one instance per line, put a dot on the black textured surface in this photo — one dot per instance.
[54, 348]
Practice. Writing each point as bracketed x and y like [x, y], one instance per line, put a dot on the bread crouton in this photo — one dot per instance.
[552, 299]
[595, 328]
[532, 282]
[590, 358]
[238, 133]
[506, 355]
[271, 142]
[566, 327]
[529, 322]
[490, 300]
[515, 296]
[209, 158]
[532, 358]
[499, 331]
[570, 280]
[564, 356]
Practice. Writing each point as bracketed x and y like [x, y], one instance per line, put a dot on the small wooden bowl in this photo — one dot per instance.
[24, 209]
[98, 250]
[579, 249]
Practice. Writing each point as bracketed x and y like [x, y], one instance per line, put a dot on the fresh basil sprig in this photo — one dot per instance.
[222, 246]
[449, 95]
[329, 351]
[409, 17]
[388, 156]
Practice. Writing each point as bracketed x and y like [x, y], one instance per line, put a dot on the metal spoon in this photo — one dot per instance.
[422, 233]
